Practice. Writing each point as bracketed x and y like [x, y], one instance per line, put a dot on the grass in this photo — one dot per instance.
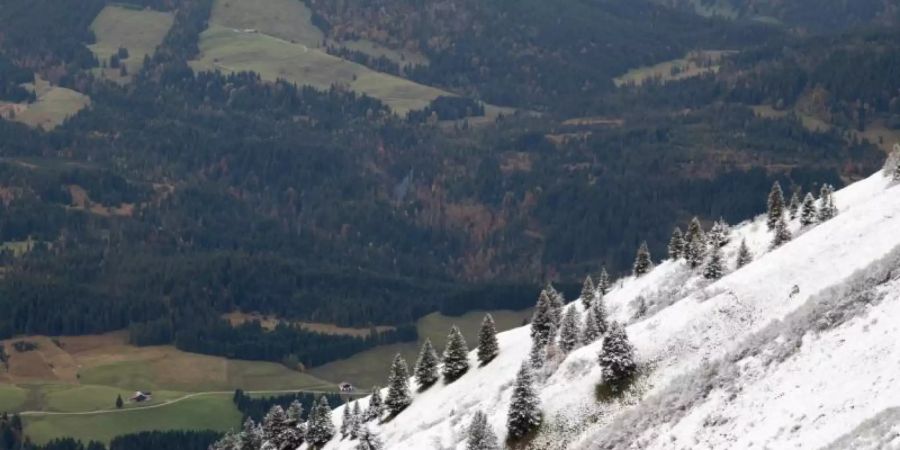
[78, 398]
[371, 367]
[205, 412]
[692, 65]
[374, 50]
[11, 397]
[52, 107]
[286, 19]
[230, 50]
[138, 30]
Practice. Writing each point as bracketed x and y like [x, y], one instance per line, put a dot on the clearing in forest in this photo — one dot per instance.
[694, 64]
[54, 104]
[139, 31]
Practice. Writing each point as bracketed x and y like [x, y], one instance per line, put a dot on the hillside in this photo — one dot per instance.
[794, 349]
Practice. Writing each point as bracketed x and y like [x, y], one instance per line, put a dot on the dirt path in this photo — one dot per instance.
[176, 400]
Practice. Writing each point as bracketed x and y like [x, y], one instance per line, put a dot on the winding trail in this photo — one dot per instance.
[180, 399]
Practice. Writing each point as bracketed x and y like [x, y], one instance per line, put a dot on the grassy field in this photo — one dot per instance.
[138, 30]
[53, 105]
[204, 412]
[11, 397]
[692, 65]
[371, 367]
[285, 19]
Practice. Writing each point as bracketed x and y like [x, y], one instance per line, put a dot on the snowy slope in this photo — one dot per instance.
[799, 349]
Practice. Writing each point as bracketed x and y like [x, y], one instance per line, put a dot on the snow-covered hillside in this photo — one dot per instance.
[798, 349]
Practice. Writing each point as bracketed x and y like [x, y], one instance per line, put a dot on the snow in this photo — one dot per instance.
[837, 385]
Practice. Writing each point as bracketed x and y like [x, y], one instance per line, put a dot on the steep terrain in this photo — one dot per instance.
[796, 349]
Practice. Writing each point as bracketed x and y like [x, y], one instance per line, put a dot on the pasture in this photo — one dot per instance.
[285, 19]
[138, 30]
[371, 367]
[691, 65]
[52, 107]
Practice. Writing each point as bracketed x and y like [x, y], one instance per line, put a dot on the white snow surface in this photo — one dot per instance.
[839, 382]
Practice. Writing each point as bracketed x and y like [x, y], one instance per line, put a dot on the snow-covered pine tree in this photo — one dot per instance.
[480, 436]
[426, 371]
[568, 332]
[274, 424]
[896, 175]
[345, 420]
[714, 266]
[251, 435]
[808, 211]
[676, 245]
[617, 356]
[794, 207]
[719, 234]
[376, 405]
[524, 414]
[782, 234]
[588, 292]
[356, 421]
[695, 244]
[827, 209]
[642, 261]
[775, 206]
[456, 356]
[557, 302]
[591, 331]
[542, 319]
[536, 355]
[603, 282]
[368, 440]
[230, 441]
[398, 397]
[295, 412]
[488, 347]
[744, 256]
[320, 428]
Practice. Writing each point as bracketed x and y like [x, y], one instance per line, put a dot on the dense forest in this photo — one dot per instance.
[255, 408]
[183, 196]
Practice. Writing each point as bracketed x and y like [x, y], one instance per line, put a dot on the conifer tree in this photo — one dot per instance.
[603, 282]
[542, 319]
[536, 355]
[426, 371]
[676, 245]
[776, 206]
[368, 440]
[714, 265]
[794, 207]
[695, 244]
[557, 302]
[896, 176]
[398, 397]
[524, 414]
[376, 406]
[568, 332]
[356, 420]
[719, 234]
[320, 428]
[808, 212]
[588, 292]
[642, 262]
[480, 436]
[345, 420]
[743, 257]
[274, 425]
[827, 209]
[455, 357]
[591, 330]
[488, 347]
[617, 357]
[295, 412]
[251, 437]
[782, 234]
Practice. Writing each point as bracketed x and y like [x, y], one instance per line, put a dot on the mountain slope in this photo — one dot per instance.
[788, 350]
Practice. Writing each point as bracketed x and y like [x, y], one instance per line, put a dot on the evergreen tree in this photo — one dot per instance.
[426, 371]
[896, 176]
[480, 436]
[719, 234]
[368, 440]
[320, 428]
[617, 357]
[695, 245]
[557, 302]
[398, 397]
[808, 214]
[676, 245]
[568, 332]
[356, 421]
[488, 347]
[536, 355]
[591, 329]
[588, 292]
[743, 257]
[295, 412]
[827, 209]
[345, 420]
[251, 437]
[714, 266]
[794, 207]
[776, 206]
[642, 262]
[119, 402]
[376, 406]
[525, 407]
[782, 234]
[542, 319]
[274, 425]
[603, 282]
[455, 357]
